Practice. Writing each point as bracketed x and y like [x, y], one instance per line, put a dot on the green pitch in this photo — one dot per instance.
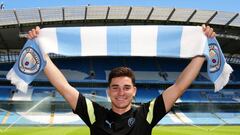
[83, 130]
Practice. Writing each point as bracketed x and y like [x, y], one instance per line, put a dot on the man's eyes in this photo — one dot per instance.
[124, 88]
[127, 88]
[115, 88]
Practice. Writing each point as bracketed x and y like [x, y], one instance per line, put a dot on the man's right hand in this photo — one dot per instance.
[33, 33]
[56, 77]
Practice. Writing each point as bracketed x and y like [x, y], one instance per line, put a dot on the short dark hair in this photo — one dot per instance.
[120, 72]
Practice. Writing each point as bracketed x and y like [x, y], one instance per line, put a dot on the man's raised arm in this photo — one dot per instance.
[56, 78]
[171, 94]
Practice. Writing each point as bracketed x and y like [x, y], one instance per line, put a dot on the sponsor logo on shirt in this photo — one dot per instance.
[108, 123]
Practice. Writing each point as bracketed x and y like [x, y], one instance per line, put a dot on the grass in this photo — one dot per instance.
[83, 130]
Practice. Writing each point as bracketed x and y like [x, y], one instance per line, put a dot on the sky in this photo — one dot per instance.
[219, 5]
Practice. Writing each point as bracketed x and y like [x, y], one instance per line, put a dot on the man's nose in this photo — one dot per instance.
[121, 91]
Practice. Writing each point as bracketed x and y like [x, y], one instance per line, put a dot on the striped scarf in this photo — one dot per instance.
[146, 41]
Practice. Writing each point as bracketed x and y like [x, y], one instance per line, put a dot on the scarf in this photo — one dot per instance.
[145, 41]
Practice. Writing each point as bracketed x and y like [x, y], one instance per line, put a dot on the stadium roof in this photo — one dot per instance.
[15, 23]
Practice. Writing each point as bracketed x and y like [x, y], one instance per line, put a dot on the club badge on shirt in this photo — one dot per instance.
[131, 122]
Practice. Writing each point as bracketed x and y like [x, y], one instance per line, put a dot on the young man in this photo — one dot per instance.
[123, 119]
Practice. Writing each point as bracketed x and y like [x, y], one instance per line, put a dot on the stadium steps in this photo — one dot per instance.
[203, 118]
[67, 118]
[230, 117]
[2, 115]
[51, 118]
[220, 118]
[181, 116]
[175, 119]
[21, 96]
[53, 107]
[167, 120]
[5, 118]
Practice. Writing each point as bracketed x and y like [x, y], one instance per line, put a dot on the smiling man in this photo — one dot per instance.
[123, 118]
[121, 89]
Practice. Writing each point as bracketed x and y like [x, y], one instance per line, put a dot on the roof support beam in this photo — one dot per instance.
[108, 9]
[210, 19]
[40, 15]
[63, 15]
[170, 15]
[129, 12]
[19, 25]
[191, 16]
[235, 16]
[150, 13]
[85, 15]
[15, 13]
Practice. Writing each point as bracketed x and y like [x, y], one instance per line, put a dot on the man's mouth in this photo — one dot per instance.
[121, 99]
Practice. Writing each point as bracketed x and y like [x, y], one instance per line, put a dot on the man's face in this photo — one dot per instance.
[121, 92]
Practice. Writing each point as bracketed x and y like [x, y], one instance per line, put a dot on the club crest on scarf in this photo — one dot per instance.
[29, 62]
[215, 61]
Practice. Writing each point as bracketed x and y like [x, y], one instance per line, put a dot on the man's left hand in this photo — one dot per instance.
[208, 31]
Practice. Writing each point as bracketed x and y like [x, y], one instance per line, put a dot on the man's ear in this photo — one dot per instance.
[107, 91]
[135, 91]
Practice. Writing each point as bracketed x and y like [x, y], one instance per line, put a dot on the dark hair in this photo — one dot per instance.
[120, 72]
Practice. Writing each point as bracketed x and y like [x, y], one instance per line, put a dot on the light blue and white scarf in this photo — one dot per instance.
[147, 41]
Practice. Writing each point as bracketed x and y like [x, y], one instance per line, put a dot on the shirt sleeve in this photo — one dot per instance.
[87, 110]
[155, 110]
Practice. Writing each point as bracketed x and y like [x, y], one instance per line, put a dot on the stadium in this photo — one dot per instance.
[42, 110]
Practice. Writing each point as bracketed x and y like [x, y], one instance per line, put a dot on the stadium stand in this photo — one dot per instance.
[94, 87]
[5, 93]
[194, 95]
[42, 92]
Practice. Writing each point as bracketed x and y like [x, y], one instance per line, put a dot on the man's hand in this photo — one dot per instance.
[33, 33]
[208, 31]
